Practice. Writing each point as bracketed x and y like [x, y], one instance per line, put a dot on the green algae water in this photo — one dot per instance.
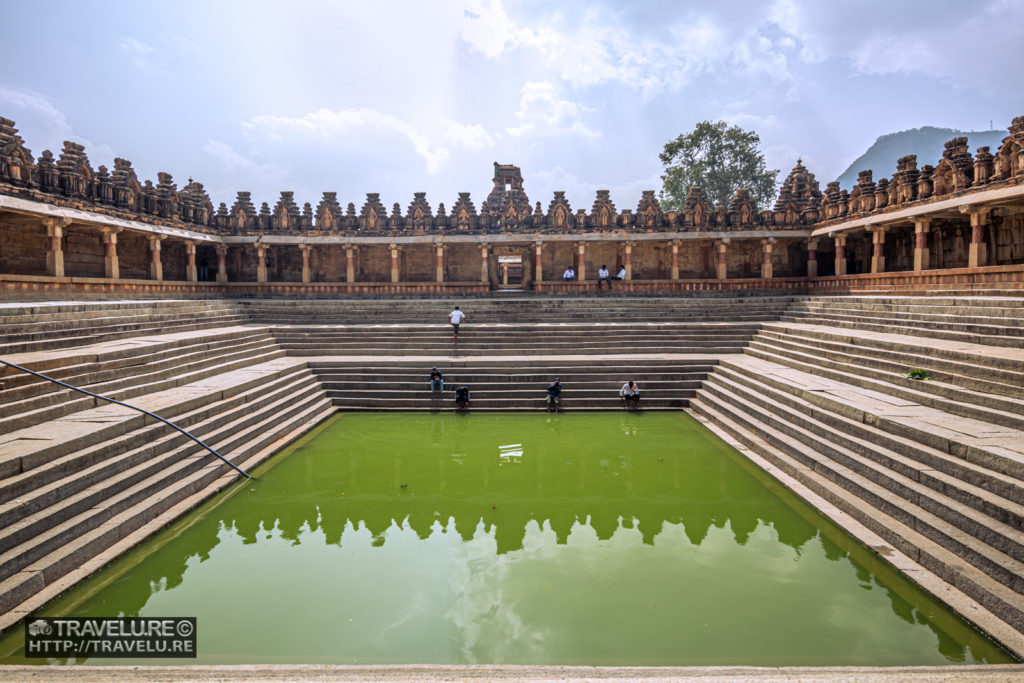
[605, 539]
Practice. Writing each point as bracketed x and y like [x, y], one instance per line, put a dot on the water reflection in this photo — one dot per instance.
[484, 511]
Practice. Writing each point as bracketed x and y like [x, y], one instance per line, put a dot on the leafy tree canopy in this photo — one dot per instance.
[720, 159]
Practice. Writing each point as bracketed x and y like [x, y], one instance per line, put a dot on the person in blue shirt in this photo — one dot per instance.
[554, 400]
[436, 380]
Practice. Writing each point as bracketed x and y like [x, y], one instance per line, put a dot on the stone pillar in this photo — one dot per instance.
[840, 254]
[222, 263]
[156, 266]
[55, 252]
[878, 250]
[261, 263]
[111, 268]
[629, 260]
[394, 264]
[537, 262]
[812, 257]
[581, 261]
[675, 259]
[484, 269]
[723, 271]
[922, 258]
[766, 259]
[350, 264]
[978, 254]
[191, 274]
[305, 249]
[439, 276]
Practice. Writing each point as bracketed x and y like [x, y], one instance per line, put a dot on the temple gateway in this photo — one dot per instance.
[68, 227]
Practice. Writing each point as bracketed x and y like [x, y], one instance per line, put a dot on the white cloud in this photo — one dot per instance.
[754, 121]
[542, 114]
[39, 106]
[472, 137]
[137, 51]
[234, 162]
[598, 48]
[581, 192]
[52, 121]
[325, 123]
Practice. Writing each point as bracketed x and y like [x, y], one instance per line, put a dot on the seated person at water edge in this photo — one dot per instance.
[630, 393]
[436, 380]
[604, 276]
[569, 274]
[462, 397]
[554, 395]
[622, 273]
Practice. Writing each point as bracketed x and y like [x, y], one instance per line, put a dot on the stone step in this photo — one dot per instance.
[165, 490]
[108, 360]
[674, 401]
[908, 395]
[997, 358]
[107, 382]
[64, 475]
[13, 312]
[895, 327]
[958, 503]
[962, 374]
[471, 341]
[31, 447]
[804, 356]
[983, 444]
[451, 377]
[468, 352]
[1007, 604]
[148, 385]
[940, 299]
[74, 338]
[933, 465]
[85, 319]
[74, 512]
[983, 324]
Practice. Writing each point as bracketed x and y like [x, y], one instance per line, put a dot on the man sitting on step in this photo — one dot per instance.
[554, 400]
[629, 394]
[462, 398]
[436, 381]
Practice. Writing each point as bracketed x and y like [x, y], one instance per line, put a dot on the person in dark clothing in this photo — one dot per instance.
[462, 398]
[436, 381]
[554, 399]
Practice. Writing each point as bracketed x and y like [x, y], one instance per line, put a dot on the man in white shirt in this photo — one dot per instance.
[629, 394]
[569, 274]
[603, 276]
[456, 317]
[622, 273]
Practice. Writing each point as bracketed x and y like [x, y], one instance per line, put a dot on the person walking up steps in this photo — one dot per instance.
[456, 317]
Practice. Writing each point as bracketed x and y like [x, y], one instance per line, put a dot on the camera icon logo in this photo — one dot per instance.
[39, 628]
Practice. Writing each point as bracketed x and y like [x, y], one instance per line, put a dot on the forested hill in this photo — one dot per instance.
[926, 142]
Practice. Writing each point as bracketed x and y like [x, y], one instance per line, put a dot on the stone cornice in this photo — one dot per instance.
[29, 207]
[1002, 195]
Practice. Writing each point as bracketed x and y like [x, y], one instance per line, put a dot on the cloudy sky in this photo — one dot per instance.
[397, 96]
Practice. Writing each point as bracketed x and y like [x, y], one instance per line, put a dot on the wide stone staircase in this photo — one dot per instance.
[376, 355]
[933, 467]
[82, 479]
[60, 324]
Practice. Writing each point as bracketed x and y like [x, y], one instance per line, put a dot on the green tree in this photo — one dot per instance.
[720, 159]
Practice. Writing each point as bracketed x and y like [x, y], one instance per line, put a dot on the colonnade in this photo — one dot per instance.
[971, 225]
